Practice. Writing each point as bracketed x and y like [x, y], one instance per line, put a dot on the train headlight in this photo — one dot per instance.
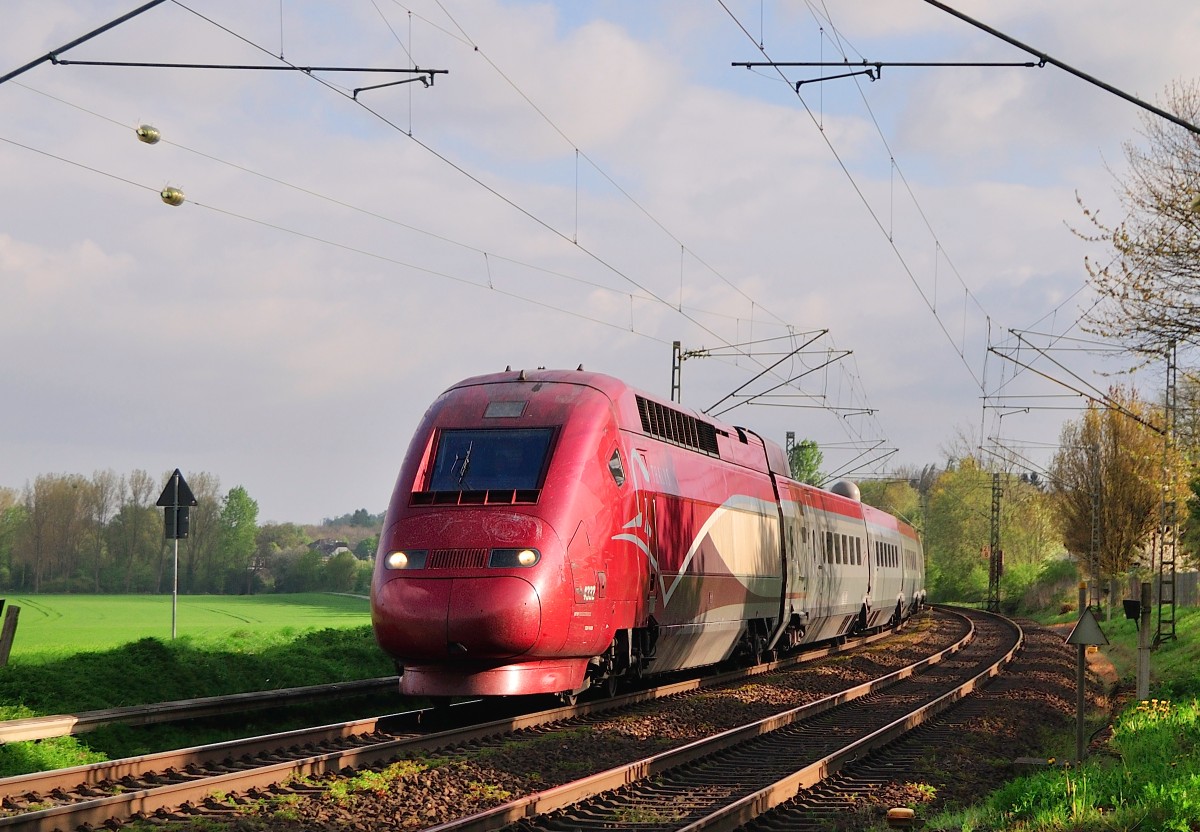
[412, 559]
[509, 558]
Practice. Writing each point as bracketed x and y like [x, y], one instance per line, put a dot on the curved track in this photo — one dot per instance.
[160, 784]
[726, 781]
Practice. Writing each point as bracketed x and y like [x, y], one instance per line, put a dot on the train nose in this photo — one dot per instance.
[484, 618]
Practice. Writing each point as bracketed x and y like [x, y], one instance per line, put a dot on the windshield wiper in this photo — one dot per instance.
[466, 463]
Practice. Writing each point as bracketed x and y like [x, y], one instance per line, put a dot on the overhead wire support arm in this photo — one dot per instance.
[850, 465]
[873, 74]
[819, 334]
[752, 399]
[874, 69]
[425, 76]
[1098, 400]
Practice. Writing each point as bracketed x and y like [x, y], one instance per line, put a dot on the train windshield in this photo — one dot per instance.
[486, 460]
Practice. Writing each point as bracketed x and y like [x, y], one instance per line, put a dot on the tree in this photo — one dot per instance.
[365, 548]
[805, 460]
[301, 572]
[1151, 293]
[896, 496]
[204, 534]
[12, 520]
[1107, 477]
[956, 531]
[361, 517]
[135, 536]
[341, 571]
[230, 568]
[275, 545]
[49, 545]
[1190, 537]
[105, 492]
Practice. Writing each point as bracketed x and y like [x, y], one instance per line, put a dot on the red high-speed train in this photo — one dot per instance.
[552, 531]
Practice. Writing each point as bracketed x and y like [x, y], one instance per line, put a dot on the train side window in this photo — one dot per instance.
[616, 468]
[858, 550]
[829, 547]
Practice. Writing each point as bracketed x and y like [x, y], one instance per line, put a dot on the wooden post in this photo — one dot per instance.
[8, 633]
[1143, 655]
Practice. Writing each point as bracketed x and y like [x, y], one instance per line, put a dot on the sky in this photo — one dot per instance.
[584, 184]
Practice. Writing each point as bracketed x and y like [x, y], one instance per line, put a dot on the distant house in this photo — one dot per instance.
[328, 547]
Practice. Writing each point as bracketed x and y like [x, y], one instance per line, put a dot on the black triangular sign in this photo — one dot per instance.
[176, 493]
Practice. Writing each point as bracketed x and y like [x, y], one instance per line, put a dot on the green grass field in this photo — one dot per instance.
[77, 653]
[62, 625]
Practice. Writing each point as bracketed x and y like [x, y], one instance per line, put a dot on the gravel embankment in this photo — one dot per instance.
[1037, 695]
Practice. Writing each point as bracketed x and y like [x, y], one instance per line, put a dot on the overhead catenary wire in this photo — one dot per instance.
[573, 238]
[1043, 59]
[879, 223]
[330, 242]
[341, 203]
[649, 295]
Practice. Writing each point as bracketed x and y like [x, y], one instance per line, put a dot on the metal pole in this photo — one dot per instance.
[175, 570]
[175, 590]
[1080, 681]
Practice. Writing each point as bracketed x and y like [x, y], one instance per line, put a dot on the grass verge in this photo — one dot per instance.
[1147, 779]
[151, 670]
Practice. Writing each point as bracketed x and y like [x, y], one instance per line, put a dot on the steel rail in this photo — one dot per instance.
[61, 725]
[746, 809]
[549, 800]
[195, 787]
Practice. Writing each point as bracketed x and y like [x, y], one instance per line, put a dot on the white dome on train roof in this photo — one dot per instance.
[846, 488]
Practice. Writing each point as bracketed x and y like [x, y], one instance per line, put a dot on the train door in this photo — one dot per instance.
[798, 523]
[826, 585]
[644, 527]
[799, 566]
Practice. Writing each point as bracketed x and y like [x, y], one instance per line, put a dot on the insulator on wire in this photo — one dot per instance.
[148, 134]
[172, 195]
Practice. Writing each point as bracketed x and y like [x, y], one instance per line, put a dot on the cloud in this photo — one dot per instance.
[329, 275]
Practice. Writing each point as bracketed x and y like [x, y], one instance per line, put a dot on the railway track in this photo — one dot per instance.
[61, 725]
[179, 783]
[729, 780]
